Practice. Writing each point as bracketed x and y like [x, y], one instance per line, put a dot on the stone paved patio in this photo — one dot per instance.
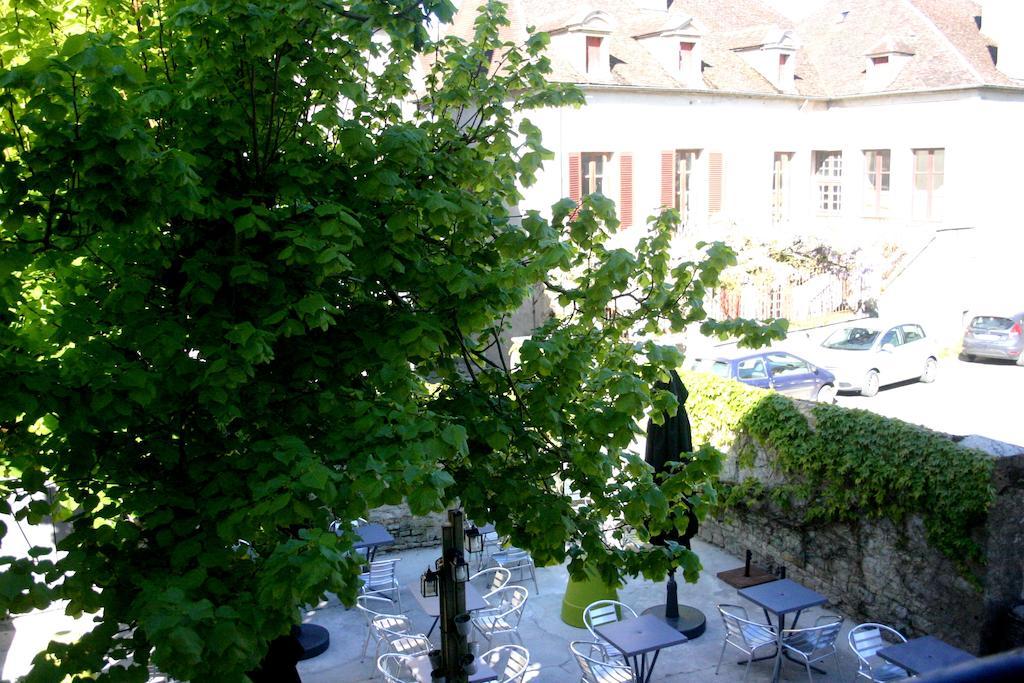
[547, 637]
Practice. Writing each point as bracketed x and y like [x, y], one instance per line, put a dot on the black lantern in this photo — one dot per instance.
[474, 540]
[428, 583]
[460, 568]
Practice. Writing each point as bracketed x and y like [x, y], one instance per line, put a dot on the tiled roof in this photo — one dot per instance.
[944, 45]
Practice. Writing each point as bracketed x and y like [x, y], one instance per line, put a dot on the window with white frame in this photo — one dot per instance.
[592, 172]
[828, 178]
[876, 182]
[781, 191]
[685, 168]
[929, 170]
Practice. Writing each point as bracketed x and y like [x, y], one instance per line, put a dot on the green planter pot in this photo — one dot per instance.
[579, 594]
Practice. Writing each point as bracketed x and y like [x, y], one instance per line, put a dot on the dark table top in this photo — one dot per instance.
[645, 633]
[372, 535]
[432, 606]
[783, 596]
[921, 655]
[421, 671]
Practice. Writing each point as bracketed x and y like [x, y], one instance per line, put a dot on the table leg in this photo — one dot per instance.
[777, 670]
[640, 667]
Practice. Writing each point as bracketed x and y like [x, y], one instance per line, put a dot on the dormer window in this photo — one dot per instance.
[783, 61]
[677, 46]
[884, 63]
[686, 56]
[593, 57]
[584, 40]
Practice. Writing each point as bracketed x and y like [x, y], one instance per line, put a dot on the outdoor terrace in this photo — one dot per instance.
[547, 638]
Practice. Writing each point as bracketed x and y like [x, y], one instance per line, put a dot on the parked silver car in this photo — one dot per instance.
[867, 354]
[995, 336]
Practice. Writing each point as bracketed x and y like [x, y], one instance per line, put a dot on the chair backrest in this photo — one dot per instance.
[596, 670]
[509, 601]
[866, 639]
[490, 580]
[510, 661]
[372, 606]
[382, 572]
[734, 617]
[395, 668]
[514, 557]
[605, 612]
[337, 525]
[820, 636]
[404, 643]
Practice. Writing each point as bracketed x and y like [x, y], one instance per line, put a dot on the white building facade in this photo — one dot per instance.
[871, 122]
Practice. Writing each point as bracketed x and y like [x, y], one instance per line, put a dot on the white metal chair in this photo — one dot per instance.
[606, 612]
[518, 562]
[396, 668]
[489, 580]
[504, 615]
[867, 639]
[400, 642]
[814, 643]
[595, 668]
[510, 661]
[378, 621]
[381, 579]
[743, 634]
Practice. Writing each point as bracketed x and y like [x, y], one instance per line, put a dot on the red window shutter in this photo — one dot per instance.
[625, 191]
[668, 179]
[575, 185]
[716, 167]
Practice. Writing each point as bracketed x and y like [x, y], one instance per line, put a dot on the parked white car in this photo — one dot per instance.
[867, 354]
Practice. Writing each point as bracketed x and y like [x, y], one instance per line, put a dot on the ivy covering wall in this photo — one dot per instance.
[838, 464]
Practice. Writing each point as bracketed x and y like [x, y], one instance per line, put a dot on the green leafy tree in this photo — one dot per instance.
[251, 268]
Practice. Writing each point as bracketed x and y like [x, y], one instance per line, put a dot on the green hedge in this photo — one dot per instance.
[843, 464]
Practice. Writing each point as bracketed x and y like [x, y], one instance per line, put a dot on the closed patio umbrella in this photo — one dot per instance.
[666, 444]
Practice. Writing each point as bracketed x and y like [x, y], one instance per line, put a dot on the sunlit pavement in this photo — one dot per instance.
[547, 637]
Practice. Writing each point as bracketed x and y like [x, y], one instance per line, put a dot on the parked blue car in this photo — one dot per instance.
[777, 370]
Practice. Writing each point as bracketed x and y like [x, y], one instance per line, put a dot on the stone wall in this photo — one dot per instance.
[409, 531]
[876, 570]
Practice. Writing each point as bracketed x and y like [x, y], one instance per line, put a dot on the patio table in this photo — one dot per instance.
[781, 598]
[432, 606]
[371, 537]
[921, 655]
[420, 666]
[636, 638]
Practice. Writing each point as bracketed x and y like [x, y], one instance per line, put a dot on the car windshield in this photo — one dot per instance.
[851, 338]
[991, 323]
[719, 367]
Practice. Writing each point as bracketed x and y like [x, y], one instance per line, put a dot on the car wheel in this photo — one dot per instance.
[871, 383]
[969, 357]
[931, 367]
[826, 394]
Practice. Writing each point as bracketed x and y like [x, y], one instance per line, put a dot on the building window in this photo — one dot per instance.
[592, 172]
[593, 54]
[685, 166]
[686, 57]
[876, 185]
[783, 59]
[929, 167]
[781, 180]
[878, 61]
[828, 176]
